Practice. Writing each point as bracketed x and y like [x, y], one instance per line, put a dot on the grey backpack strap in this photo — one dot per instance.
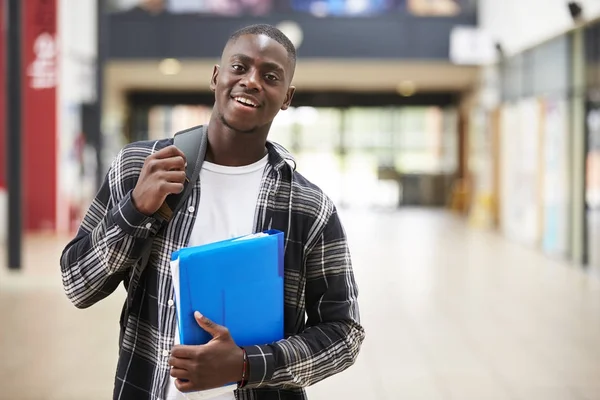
[193, 142]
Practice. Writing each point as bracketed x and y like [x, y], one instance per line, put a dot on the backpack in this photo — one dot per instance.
[193, 143]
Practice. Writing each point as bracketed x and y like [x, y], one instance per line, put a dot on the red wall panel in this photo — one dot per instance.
[39, 114]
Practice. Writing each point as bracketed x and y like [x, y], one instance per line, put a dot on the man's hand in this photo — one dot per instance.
[209, 366]
[163, 173]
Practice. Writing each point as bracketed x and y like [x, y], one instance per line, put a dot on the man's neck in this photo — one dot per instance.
[234, 149]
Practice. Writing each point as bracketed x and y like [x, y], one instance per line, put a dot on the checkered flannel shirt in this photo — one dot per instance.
[323, 334]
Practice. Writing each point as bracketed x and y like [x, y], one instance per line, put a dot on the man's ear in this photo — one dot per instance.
[288, 97]
[213, 80]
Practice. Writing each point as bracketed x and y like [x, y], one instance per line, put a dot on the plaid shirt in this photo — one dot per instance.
[323, 334]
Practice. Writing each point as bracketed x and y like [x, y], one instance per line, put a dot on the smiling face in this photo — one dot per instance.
[252, 83]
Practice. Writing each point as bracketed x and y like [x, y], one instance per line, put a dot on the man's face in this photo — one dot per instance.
[252, 83]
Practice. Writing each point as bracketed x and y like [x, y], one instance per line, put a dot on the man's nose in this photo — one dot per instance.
[251, 80]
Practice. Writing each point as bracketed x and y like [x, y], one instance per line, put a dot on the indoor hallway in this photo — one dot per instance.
[450, 312]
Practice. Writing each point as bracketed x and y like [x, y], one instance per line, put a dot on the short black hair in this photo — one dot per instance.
[270, 31]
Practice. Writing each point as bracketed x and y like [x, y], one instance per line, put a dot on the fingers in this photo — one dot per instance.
[179, 362]
[167, 159]
[170, 187]
[180, 373]
[173, 176]
[182, 352]
[168, 152]
[176, 163]
[163, 174]
[180, 367]
[184, 386]
[169, 181]
[173, 163]
[209, 326]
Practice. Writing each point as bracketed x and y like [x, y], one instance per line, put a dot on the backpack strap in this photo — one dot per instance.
[193, 142]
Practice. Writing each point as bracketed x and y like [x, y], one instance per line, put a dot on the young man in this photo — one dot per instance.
[246, 185]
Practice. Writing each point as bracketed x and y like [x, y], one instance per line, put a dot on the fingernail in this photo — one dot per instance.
[198, 314]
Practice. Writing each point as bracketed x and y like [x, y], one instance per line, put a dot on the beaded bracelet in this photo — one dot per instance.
[242, 383]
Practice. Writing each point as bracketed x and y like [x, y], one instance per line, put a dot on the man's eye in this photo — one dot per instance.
[271, 77]
[237, 67]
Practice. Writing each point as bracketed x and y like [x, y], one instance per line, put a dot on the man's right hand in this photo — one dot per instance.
[163, 173]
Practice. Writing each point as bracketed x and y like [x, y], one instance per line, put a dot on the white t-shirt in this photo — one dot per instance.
[228, 197]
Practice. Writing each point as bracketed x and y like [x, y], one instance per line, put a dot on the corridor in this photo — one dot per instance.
[451, 313]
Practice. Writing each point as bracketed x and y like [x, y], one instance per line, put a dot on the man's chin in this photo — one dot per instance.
[237, 127]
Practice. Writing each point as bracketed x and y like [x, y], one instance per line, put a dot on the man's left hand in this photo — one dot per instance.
[208, 366]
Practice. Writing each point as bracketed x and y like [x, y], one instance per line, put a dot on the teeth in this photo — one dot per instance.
[245, 101]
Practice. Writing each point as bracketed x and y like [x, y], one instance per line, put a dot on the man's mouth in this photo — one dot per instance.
[246, 102]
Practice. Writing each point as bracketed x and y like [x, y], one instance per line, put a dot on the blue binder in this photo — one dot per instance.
[237, 283]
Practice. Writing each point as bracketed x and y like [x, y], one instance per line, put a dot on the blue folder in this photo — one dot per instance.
[237, 283]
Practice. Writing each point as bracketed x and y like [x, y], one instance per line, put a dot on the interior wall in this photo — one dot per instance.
[467, 103]
[519, 24]
[577, 156]
[114, 119]
[481, 148]
[77, 61]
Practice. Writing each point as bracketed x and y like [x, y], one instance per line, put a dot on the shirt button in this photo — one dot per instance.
[170, 302]
[148, 225]
[165, 353]
[191, 209]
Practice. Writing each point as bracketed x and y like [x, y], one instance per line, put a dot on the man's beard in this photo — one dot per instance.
[233, 128]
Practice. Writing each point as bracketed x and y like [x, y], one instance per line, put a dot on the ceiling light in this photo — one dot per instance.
[406, 88]
[293, 31]
[319, 9]
[169, 66]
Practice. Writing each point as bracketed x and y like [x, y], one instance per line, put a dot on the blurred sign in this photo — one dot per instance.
[471, 46]
[39, 113]
[40, 26]
[42, 71]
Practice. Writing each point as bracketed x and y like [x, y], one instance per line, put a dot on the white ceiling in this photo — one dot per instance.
[310, 75]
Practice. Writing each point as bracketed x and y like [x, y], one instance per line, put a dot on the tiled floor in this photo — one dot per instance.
[450, 313]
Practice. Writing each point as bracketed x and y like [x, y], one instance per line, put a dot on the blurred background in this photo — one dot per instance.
[460, 140]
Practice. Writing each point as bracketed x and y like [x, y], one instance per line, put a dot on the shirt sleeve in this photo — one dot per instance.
[110, 239]
[333, 337]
